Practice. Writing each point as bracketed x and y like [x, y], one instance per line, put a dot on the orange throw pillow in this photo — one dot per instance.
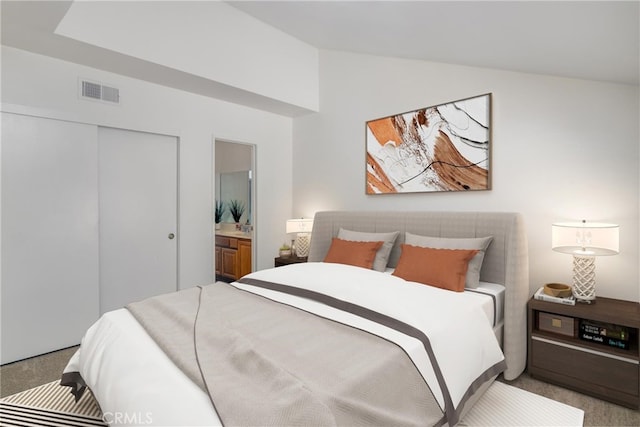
[360, 254]
[442, 268]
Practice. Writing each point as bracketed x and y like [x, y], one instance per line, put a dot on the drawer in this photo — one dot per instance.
[597, 369]
[557, 324]
[226, 242]
[222, 241]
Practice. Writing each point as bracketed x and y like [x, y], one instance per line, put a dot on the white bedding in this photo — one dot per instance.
[491, 297]
[129, 374]
[493, 301]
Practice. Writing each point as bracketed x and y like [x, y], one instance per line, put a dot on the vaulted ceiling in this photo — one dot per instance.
[598, 40]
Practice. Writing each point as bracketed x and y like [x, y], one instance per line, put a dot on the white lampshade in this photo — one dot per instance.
[585, 238]
[300, 225]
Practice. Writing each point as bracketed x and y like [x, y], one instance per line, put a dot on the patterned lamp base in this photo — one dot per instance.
[303, 243]
[584, 278]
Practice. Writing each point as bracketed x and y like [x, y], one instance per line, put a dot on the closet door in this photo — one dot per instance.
[49, 234]
[138, 215]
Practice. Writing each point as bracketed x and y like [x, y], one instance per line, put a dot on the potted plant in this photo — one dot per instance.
[220, 208]
[285, 250]
[236, 209]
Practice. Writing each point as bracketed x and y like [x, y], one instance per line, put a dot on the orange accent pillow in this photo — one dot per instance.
[360, 254]
[442, 268]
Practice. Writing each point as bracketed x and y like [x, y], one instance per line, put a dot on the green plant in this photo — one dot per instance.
[220, 208]
[285, 247]
[236, 208]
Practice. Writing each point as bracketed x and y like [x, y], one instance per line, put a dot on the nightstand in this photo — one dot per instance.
[282, 260]
[557, 353]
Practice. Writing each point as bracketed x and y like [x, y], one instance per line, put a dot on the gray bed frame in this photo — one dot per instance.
[505, 262]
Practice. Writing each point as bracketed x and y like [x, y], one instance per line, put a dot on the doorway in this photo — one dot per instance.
[234, 209]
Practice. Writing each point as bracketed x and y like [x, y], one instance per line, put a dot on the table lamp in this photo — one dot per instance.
[585, 240]
[303, 229]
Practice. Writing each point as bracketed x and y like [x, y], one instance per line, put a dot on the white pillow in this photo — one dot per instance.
[479, 243]
[382, 257]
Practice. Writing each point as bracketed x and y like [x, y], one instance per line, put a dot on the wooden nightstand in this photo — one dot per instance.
[282, 260]
[558, 355]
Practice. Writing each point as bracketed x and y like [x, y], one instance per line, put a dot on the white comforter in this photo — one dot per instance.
[136, 384]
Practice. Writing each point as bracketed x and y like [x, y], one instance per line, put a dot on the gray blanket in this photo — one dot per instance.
[266, 363]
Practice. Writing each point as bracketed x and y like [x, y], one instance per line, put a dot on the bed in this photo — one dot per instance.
[322, 343]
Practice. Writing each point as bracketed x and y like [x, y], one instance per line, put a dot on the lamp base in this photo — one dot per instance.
[584, 278]
[303, 244]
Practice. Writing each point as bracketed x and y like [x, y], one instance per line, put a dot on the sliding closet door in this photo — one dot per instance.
[49, 234]
[138, 181]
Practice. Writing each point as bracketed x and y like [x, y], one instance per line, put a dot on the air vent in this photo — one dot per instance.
[110, 94]
[91, 90]
[99, 92]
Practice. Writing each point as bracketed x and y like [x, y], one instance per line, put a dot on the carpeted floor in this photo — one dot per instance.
[26, 374]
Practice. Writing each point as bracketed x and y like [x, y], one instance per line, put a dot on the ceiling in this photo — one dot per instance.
[588, 40]
[597, 40]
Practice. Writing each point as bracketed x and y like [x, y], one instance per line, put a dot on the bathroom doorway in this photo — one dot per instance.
[234, 209]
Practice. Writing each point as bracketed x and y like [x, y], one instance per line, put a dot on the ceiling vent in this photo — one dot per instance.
[99, 92]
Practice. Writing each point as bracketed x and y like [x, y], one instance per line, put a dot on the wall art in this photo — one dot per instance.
[440, 148]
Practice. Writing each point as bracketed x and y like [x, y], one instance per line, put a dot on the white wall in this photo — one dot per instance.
[208, 39]
[562, 149]
[39, 85]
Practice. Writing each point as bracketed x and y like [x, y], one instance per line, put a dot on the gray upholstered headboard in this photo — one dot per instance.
[506, 260]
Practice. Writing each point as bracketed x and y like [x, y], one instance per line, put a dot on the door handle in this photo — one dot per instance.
[171, 236]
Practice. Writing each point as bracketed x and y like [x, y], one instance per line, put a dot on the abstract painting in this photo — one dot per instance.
[441, 148]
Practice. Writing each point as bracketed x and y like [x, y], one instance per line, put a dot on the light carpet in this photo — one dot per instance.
[501, 405]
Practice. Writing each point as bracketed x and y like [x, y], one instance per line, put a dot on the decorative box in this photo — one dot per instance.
[557, 324]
